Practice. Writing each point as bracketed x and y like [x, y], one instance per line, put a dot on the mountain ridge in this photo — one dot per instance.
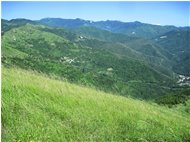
[110, 58]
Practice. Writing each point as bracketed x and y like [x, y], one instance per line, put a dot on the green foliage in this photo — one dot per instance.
[183, 107]
[170, 100]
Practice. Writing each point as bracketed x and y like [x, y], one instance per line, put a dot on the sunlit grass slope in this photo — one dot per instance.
[37, 108]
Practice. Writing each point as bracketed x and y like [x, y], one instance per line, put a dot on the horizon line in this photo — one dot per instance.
[92, 20]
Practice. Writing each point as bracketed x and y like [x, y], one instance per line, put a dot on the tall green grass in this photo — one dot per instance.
[40, 109]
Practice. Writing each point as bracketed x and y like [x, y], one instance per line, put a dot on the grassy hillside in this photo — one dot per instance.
[37, 108]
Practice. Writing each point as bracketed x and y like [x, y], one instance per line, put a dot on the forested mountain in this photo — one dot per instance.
[85, 53]
[136, 33]
[133, 29]
[176, 44]
[7, 25]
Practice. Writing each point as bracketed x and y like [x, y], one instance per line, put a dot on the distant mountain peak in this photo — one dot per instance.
[137, 22]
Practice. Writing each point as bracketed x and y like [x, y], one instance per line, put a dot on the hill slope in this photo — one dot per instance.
[37, 108]
[176, 44]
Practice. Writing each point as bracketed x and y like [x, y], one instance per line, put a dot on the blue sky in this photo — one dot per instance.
[164, 13]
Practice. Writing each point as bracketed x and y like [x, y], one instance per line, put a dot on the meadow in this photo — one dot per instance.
[39, 108]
